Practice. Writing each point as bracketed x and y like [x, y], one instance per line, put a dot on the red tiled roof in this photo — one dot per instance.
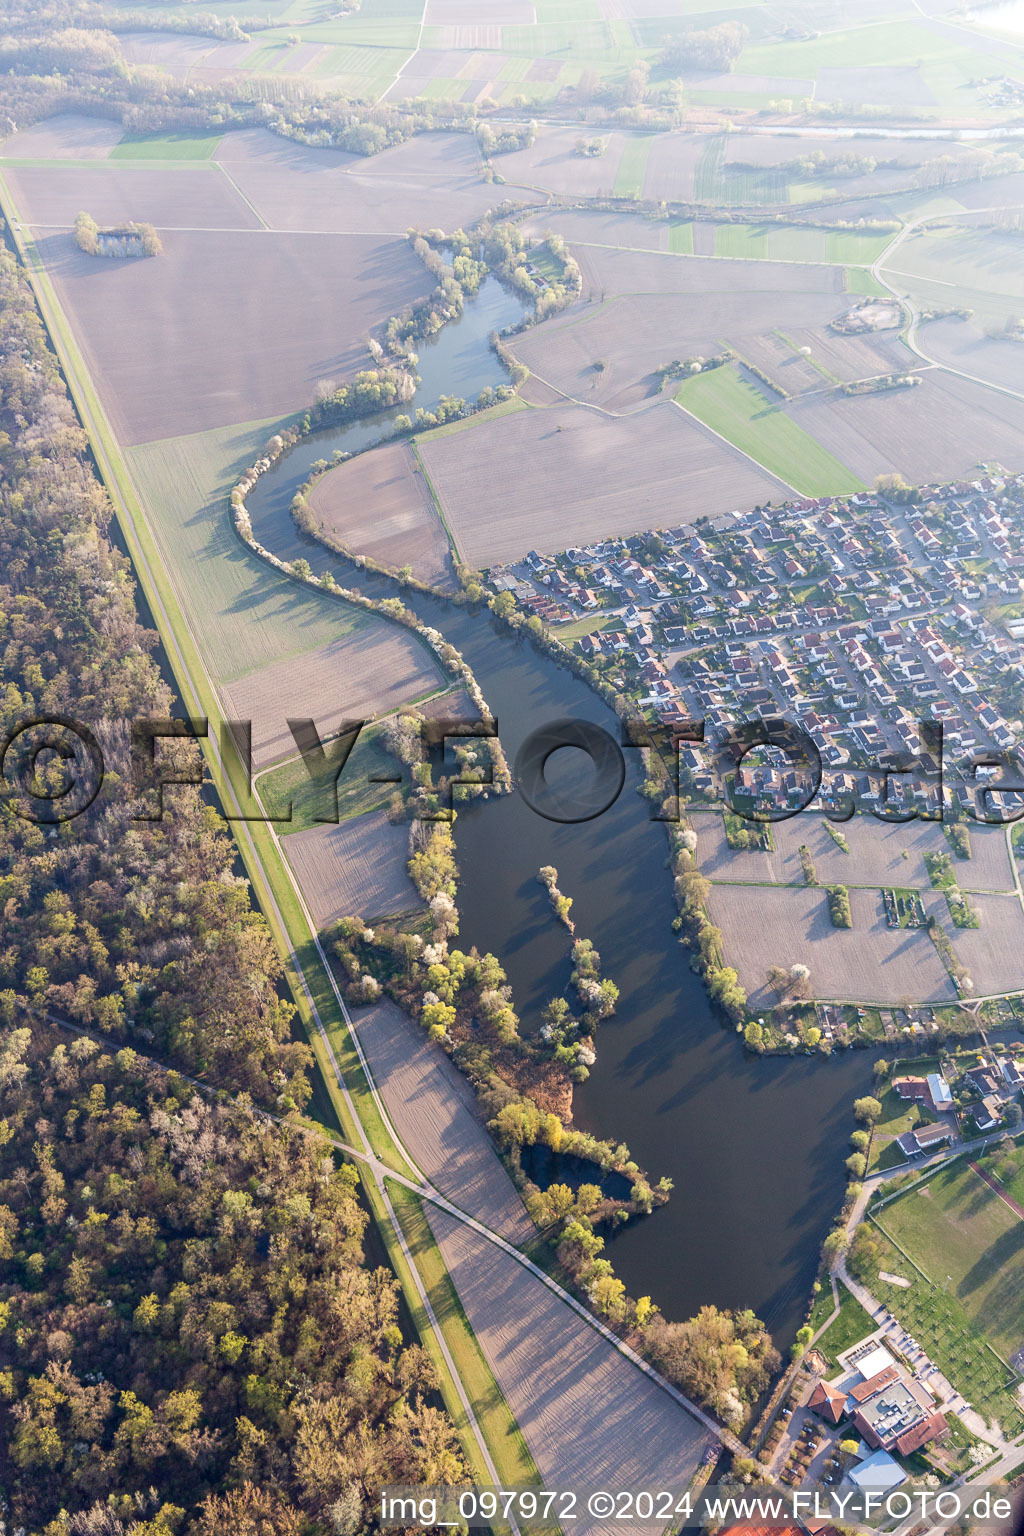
[829, 1400]
[875, 1384]
[921, 1433]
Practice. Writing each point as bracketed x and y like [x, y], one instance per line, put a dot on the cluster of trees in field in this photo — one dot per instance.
[715, 48]
[839, 906]
[184, 1309]
[372, 390]
[507, 253]
[190, 1342]
[505, 137]
[123, 240]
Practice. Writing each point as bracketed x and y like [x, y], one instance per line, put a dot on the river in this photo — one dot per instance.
[755, 1147]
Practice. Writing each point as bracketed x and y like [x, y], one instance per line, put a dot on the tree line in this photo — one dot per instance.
[184, 1303]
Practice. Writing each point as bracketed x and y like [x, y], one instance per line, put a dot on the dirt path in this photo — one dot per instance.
[994, 1184]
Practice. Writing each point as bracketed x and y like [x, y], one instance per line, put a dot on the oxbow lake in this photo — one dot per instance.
[755, 1147]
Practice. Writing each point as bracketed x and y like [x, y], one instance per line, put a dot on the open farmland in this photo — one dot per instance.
[991, 952]
[554, 1369]
[69, 136]
[963, 1235]
[764, 926]
[596, 226]
[437, 1109]
[547, 478]
[960, 344]
[880, 854]
[552, 164]
[938, 431]
[608, 272]
[354, 869]
[607, 354]
[296, 188]
[379, 504]
[194, 197]
[961, 256]
[368, 670]
[270, 641]
[729, 402]
[178, 344]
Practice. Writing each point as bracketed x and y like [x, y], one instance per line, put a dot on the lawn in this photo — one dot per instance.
[1008, 1168]
[731, 405]
[970, 1244]
[166, 146]
[898, 1116]
[952, 1338]
[629, 179]
[853, 1322]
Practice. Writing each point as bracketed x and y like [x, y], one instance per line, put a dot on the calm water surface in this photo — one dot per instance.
[755, 1148]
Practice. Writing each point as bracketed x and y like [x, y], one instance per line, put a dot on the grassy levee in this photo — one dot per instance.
[350, 1094]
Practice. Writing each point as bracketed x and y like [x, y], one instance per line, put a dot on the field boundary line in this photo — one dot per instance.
[736, 448]
[233, 183]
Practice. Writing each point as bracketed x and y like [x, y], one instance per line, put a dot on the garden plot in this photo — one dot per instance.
[379, 504]
[876, 857]
[763, 926]
[356, 869]
[546, 478]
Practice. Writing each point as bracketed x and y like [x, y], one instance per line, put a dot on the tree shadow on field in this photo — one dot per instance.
[1002, 1260]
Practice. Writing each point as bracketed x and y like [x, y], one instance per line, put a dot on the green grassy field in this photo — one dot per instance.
[249, 617]
[968, 1241]
[952, 1338]
[629, 178]
[853, 1322]
[680, 237]
[310, 800]
[166, 146]
[859, 280]
[1008, 1168]
[728, 403]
